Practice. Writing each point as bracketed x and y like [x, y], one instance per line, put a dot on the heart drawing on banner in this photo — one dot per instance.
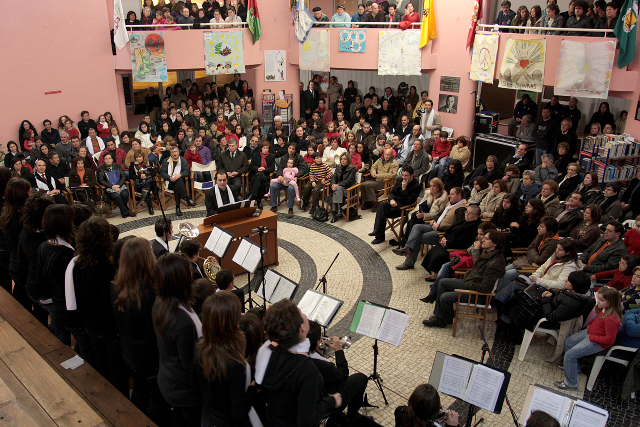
[524, 63]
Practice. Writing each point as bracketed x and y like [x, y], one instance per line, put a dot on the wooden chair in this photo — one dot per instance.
[167, 197]
[244, 188]
[301, 181]
[198, 189]
[100, 190]
[396, 223]
[476, 307]
[353, 197]
[135, 204]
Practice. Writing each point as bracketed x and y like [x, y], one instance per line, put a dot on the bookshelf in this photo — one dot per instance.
[615, 158]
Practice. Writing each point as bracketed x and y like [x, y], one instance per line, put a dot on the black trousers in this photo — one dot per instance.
[352, 391]
[435, 259]
[179, 189]
[121, 199]
[236, 184]
[385, 210]
[258, 185]
[109, 362]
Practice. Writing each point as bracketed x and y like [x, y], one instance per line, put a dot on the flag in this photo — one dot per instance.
[253, 19]
[120, 36]
[428, 30]
[304, 21]
[625, 31]
[477, 15]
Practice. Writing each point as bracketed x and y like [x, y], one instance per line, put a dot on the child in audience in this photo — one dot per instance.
[288, 173]
[356, 160]
[632, 238]
[192, 155]
[631, 295]
[331, 131]
[621, 277]
[311, 151]
[599, 335]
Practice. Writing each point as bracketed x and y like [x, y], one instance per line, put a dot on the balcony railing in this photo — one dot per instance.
[364, 24]
[205, 26]
[495, 28]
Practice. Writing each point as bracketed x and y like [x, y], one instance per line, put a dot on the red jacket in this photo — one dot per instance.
[103, 131]
[192, 157]
[618, 279]
[441, 149]
[604, 330]
[632, 241]
[120, 155]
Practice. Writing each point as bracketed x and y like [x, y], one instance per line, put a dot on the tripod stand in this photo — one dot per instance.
[375, 377]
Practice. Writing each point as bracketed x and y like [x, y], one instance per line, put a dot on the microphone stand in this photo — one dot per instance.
[167, 227]
[323, 282]
[260, 231]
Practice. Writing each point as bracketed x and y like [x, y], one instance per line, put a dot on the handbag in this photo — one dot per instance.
[320, 214]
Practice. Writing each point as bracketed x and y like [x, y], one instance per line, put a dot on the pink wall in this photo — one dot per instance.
[68, 51]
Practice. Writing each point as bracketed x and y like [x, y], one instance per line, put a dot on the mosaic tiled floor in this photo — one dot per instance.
[364, 271]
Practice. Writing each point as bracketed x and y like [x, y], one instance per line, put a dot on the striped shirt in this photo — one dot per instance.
[319, 172]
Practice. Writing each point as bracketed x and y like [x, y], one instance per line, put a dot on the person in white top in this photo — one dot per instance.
[217, 19]
[232, 17]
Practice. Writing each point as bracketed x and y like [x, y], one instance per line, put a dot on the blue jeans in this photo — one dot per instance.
[446, 272]
[446, 297]
[275, 187]
[576, 346]
[510, 275]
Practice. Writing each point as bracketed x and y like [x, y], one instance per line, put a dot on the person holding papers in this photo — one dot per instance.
[291, 384]
[489, 266]
[221, 194]
[423, 409]
[336, 377]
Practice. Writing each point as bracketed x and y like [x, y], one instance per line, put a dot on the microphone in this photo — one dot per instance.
[260, 229]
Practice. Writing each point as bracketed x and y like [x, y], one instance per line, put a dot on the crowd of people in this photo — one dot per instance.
[168, 14]
[550, 21]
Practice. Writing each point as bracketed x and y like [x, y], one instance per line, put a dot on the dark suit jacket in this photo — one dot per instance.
[522, 163]
[607, 259]
[103, 179]
[211, 203]
[460, 234]
[157, 248]
[255, 164]
[568, 186]
[36, 177]
[632, 198]
[238, 164]
[89, 178]
[569, 221]
[195, 272]
[408, 195]
[309, 101]
[183, 170]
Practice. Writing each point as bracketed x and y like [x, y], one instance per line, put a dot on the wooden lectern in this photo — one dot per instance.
[240, 223]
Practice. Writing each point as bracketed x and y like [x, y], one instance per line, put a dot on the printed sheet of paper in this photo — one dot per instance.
[275, 65]
[315, 51]
[284, 290]
[325, 310]
[309, 302]
[223, 52]
[271, 280]
[148, 57]
[523, 64]
[584, 69]
[484, 387]
[455, 376]
[370, 321]
[551, 403]
[586, 415]
[483, 60]
[247, 255]
[218, 241]
[393, 326]
[399, 53]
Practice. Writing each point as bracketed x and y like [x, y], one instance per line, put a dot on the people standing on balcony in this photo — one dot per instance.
[232, 17]
[132, 19]
[552, 19]
[393, 15]
[146, 19]
[320, 17]
[506, 15]
[340, 16]
[359, 16]
[376, 15]
[580, 20]
[185, 18]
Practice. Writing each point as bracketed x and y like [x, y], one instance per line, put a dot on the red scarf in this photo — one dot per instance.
[263, 160]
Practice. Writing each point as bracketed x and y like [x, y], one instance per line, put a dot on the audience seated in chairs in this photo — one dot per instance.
[405, 192]
[319, 175]
[262, 165]
[493, 199]
[489, 171]
[384, 168]
[86, 179]
[275, 187]
[605, 253]
[549, 197]
[143, 176]
[43, 181]
[344, 177]
[454, 176]
[174, 169]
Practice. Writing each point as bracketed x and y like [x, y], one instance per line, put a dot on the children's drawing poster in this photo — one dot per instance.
[353, 41]
[223, 52]
[584, 69]
[148, 60]
[399, 53]
[523, 64]
[314, 52]
[483, 60]
[275, 65]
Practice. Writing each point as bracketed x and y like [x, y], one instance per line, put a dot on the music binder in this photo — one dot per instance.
[319, 307]
[278, 287]
[379, 322]
[475, 383]
[569, 411]
[219, 241]
[247, 255]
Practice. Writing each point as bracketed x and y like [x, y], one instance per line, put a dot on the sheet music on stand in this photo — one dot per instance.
[247, 255]
[278, 287]
[472, 382]
[379, 322]
[219, 241]
[319, 307]
[569, 411]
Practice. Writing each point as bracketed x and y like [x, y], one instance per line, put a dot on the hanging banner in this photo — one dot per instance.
[223, 52]
[483, 60]
[148, 60]
[584, 69]
[353, 41]
[275, 68]
[523, 64]
[399, 53]
[314, 52]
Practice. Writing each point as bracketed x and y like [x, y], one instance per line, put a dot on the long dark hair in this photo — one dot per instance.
[424, 406]
[538, 210]
[94, 241]
[253, 329]
[173, 283]
[457, 167]
[5, 176]
[633, 261]
[136, 270]
[15, 194]
[571, 250]
[33, 211]
[58, 222]
[222, 340]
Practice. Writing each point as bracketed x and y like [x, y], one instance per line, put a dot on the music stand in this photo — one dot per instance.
[380, 323]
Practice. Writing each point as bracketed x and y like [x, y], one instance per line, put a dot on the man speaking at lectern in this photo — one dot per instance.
[221, 194]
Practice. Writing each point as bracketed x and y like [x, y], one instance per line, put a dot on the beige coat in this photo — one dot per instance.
[384, 170]
[435, 206]
[557, 274]
[463, 154]
[490, 203]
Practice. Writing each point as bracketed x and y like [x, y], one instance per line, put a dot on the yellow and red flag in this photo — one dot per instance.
[428, 30]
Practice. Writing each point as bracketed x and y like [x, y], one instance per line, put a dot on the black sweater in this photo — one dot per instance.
[51, 266]
[93, 294]
[138, 339]
[332, 375]
[292, 388]
[27, 260]
[563, 305]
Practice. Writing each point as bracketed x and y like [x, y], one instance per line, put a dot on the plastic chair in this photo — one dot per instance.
[600, 359]
[528, 335]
